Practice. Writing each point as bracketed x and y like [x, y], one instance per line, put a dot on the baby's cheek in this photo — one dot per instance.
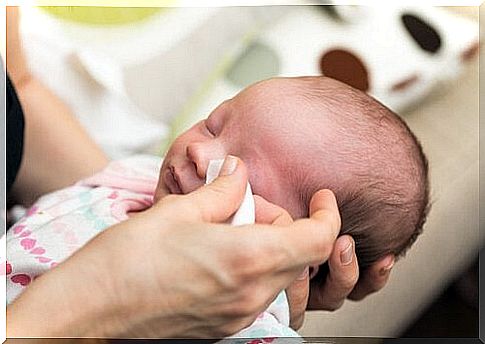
[279, 197]
[270, 183]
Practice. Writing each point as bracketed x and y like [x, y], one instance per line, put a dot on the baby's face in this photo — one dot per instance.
[260, 127]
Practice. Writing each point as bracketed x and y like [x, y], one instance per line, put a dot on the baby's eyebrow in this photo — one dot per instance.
[221, 111]
[225, 105]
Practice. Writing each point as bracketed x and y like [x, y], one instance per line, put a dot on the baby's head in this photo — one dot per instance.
[299, 135]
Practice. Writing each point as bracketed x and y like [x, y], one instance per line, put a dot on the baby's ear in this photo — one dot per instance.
[269, 213]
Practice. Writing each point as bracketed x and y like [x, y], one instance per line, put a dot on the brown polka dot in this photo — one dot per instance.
[405, 83]
[423, 33]
[346, 67]
[470, 52]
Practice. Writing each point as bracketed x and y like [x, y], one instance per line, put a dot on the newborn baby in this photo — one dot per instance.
[296, 136]
[299, 135]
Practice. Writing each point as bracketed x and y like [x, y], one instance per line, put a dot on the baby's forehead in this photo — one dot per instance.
[267, 90]
[278, 100]
[281, 117]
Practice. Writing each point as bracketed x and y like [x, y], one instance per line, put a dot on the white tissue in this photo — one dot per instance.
[246, 213]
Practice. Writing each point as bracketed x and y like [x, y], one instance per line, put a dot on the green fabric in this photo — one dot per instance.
[250, 62]
[102, 15]
[188, 116]
[257, 62]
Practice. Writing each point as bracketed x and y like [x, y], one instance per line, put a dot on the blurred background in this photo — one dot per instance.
[137, 77]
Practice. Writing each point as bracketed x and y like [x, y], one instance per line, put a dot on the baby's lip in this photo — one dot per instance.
[171, 181]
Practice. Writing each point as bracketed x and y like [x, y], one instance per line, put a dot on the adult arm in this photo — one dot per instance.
[57, 149]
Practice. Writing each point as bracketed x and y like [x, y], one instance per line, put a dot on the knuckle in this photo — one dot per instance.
[297, 322]
[324, 246]
[334, 305]
[228, 281]
[244, 267]
[345, 282]
[355, 297]
[250, 261]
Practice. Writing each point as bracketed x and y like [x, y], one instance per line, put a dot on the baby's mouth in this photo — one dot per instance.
[171, 181]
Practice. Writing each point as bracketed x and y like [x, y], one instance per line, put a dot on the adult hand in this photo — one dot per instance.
[343, 280]
[171, 272]
[342, 283]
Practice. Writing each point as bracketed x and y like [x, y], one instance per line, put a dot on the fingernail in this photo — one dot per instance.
[346, 254]
[303, 275]
[385, 270]
[229, 165]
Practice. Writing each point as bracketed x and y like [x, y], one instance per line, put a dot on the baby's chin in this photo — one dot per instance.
[162, 190]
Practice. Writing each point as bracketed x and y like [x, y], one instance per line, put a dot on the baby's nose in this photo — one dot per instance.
[199, 154]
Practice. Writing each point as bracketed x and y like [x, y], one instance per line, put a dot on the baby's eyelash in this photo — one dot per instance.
[209, 130]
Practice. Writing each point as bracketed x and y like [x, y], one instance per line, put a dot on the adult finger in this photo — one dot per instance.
[269, 213]
[279, 253]
[341, 279]
[313, 238]
[291, 248]
[214, 202]
[323, 205]
[374, 279]
[297, 294]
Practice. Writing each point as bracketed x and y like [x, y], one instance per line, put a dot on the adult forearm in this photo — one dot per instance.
[57, 149]
[68, 301]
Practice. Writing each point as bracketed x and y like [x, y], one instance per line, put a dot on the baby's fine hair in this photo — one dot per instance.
[384, 197]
